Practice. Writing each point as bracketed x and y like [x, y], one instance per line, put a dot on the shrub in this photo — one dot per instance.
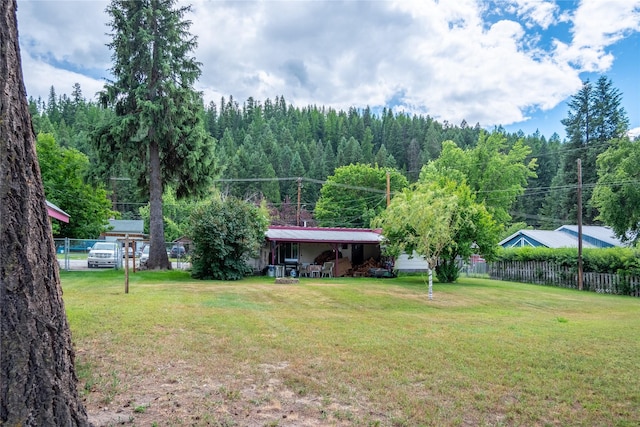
[447, 271]
[225, 233]
[607, 260]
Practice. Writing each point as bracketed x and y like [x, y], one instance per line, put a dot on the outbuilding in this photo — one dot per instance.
[293, 248]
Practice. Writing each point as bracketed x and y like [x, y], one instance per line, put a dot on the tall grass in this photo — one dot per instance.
[366, 351]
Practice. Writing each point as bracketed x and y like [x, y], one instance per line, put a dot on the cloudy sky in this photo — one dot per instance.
[510, 62]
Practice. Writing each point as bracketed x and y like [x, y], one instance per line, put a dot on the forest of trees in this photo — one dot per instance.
[270, 149]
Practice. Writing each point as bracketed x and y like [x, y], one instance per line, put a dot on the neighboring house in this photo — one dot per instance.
[415, 264]
[295, 246]
[563, 237]
[121, 229]
[57, 213]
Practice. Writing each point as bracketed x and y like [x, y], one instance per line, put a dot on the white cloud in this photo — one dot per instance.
[442, 58]
[536, 12]
[598, 24]
[41, 76]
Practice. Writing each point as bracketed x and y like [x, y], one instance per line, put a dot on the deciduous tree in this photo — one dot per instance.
[226, 232]
[63, 170]
[355, 194]
[438, 218]
[617, 193]
[495, 172]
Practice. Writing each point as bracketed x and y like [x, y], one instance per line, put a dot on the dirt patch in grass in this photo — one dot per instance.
[178, 395]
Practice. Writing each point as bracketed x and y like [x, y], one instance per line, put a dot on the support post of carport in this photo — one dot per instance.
[273, 252]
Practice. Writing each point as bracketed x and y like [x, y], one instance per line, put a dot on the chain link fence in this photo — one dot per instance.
[94, 254]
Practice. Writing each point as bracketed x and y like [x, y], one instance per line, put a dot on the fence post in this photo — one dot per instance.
[67, 249]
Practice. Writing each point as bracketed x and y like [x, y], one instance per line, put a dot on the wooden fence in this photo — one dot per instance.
[545, 273]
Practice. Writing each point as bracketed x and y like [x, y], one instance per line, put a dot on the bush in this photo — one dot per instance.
[447, 271]
[225, 234]
[608, 260]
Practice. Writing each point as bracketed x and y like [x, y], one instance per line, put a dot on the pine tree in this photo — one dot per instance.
[595, 118]
[159, 124]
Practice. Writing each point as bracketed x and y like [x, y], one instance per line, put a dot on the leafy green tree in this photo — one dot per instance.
[496, 173]
[62, 172]
[225, 233]
[159, 124]
[419, 221]
[176, 215]
[438, 218]
[617, 193]
[355, 194]
[476, 230]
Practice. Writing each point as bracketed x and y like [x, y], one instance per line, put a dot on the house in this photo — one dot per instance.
[414, 264]
[133, 229]
[564, 237]
[291, 247]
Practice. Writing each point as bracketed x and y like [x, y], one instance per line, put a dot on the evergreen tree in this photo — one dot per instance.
[595, 118]
[159, 124]
[348, 152]
[52, 106]
[366, 146]
[529, 206]
[384, 159]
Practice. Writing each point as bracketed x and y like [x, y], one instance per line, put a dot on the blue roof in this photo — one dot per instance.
[563, 237]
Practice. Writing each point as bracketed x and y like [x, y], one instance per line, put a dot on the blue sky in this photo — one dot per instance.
[513, 63]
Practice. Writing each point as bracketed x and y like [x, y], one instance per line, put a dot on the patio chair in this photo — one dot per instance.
[304, 270]
[327, 269]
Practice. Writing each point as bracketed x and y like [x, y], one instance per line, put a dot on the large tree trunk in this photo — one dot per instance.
[158, 258]
[37, 381]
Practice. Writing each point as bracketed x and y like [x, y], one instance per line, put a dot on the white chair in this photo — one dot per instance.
[327, 269]
[304, 270]
[314, 270]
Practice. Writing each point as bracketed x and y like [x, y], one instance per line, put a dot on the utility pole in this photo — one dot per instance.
[298, 208]
[579, 225]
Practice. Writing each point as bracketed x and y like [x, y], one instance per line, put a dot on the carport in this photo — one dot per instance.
[293, 247]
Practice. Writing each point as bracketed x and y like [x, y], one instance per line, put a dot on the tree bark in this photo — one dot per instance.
[37, 380]
[158, 258]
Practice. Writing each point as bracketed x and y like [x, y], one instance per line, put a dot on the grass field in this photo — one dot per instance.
[174, 351]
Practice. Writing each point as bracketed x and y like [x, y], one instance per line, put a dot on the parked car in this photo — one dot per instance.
[130, 250]
[177, 251]
[144, 256]
[104, 254]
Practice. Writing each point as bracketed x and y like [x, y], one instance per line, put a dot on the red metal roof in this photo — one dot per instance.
[323, 235]
[56, 212]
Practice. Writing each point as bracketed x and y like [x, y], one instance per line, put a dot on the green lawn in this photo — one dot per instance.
[373, 352]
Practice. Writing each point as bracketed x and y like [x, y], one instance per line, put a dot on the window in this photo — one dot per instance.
[288, 251]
